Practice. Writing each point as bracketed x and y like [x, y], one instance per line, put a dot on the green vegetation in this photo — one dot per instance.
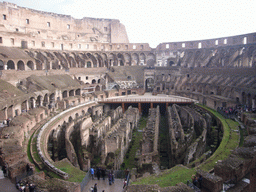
[229, 141]
[179, 173]
[169, 177]
[129, 161]
[75, 174]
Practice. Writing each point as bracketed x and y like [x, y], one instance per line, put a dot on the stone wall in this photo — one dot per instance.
[149, 145]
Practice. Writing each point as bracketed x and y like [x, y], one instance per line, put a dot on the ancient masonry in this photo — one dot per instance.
[57, 73]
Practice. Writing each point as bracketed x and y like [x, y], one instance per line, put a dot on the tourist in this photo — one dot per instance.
[113, 176]
[95, 188]
[92, 173]
[200, 179]
[125, 183]
[98, 173]
[110, 178]
[103, 173]
[126, 173]
[31, 187]
[194, 180]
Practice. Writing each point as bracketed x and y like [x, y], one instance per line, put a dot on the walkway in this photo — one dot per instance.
[103, 185]
[5, 184]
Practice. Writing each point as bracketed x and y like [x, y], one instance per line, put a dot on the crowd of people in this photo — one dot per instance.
[99, 173]
[25, 187]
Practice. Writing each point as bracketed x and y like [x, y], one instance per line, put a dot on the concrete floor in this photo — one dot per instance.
[5, 184]
[104, 185]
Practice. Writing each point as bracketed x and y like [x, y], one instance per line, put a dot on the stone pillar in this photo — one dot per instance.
[151, 105]
[123, 107]
[139, 106]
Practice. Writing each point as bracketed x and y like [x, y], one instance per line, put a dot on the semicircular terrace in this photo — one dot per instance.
[54, 124]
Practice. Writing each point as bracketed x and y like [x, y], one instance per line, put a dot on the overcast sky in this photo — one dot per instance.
[157, 21]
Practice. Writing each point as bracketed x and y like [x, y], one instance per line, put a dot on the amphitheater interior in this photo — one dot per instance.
[75, 93]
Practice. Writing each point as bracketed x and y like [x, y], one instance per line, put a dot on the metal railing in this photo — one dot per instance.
[85, 180]
[149, 100]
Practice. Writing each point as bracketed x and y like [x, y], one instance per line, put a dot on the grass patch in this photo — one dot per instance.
[129, 161]
[75, 174]
[230, 141]
[169, 177]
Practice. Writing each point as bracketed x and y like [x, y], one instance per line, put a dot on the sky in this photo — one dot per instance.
[158, 21]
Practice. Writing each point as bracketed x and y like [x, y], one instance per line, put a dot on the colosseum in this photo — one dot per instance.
[76, 94]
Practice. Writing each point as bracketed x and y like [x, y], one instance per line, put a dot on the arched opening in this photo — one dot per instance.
[24, 106]
[93, 81]
[89, 111]
[20, 65]
[78, 92]
[98, 80]
[71, 93]
[45, 102]
[171, 63]
[64, 94]
[1, 65]
[32, 103]
[97, 88]
[149, 84]
[38, 101]
[10, 65]
[30, 65]
[89, 64]
[70, 119]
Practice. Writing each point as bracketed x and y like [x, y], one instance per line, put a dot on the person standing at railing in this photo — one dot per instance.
[92, 173]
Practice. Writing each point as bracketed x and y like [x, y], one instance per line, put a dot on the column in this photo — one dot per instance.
[139, 106]
[151, 105]
[123, 107]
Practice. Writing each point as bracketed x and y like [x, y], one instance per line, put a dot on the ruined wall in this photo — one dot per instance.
[149, 145]
[57, 31]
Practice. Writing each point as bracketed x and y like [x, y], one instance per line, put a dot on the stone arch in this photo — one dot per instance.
[89, 110]
[135, 59]
[46, 100]
[94, 81]
[128, 59]
[70, 119]
[171, 63]
[104, 60]
[71, 93]
[78, 92]
[142, 59]
[31, 103]
[77, 115]
[112, 60]
[72, 62]
[149, 84]
[39, 100]
[62, 60]
[120, 59]
[20, 65]
[99, 60]
[89, 64]
[151, 59]
[93, 59]
[30, 65]
[39, 65]
[10, 65]
[65, 94]
[97, 88]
